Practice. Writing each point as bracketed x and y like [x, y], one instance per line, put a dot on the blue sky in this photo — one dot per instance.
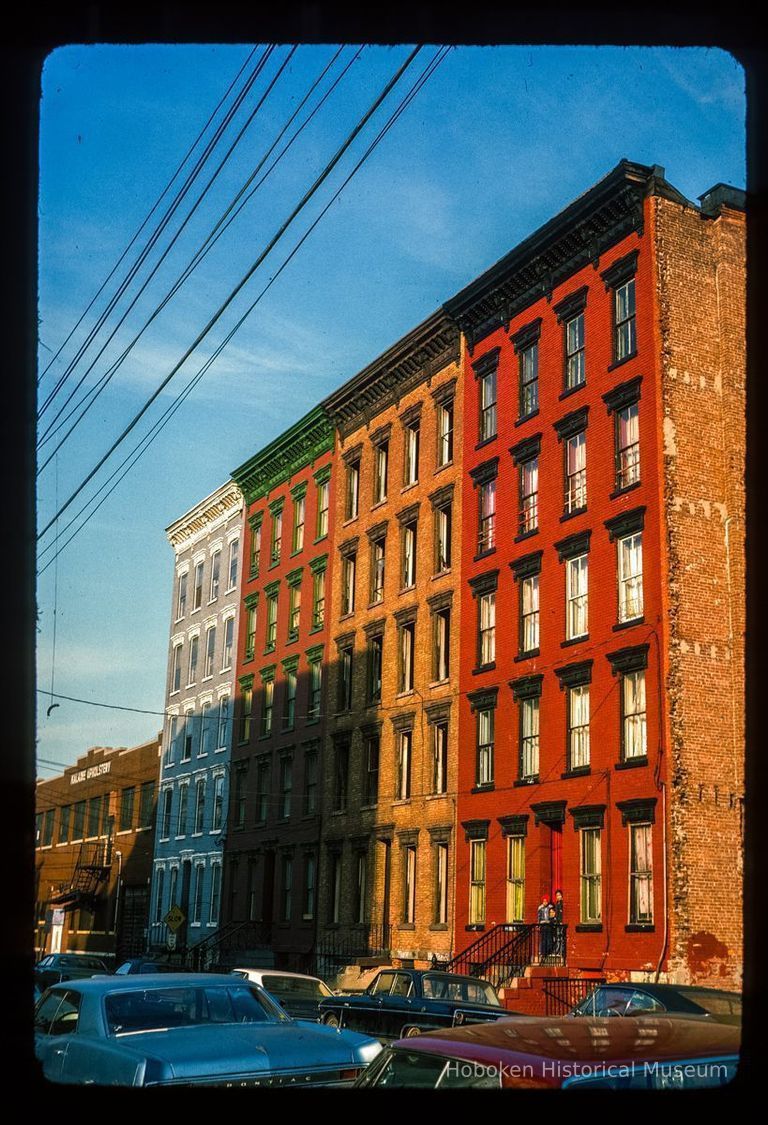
[497, 141]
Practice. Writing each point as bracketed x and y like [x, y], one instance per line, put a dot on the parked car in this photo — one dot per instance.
[405, 1002]
[56, 967]
[636, 999]
[298, 993]
[144, 965]
[530, 1052]
[187, 1029]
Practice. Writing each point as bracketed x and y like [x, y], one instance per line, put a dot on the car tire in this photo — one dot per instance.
[331, 1020]
[410, 1032]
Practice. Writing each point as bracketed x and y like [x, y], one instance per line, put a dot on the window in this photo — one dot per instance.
[348, 574]
[310, 782]
[375, 658]
[529, 379]
[529, 738]
[94, 816]
[315, 689]
[181, 598]
[197, 597]
[146, 806]
[576, 473]
[183, 810]
[441, 884]
[529, 614]
[218, 802]
[234, 550]
[443, 538]
[529, 496]
[624, 338]
[213, 912]
[409, 555]
[197, 908]
[276, 539]
[352, 504]
[486, 539]
[335, 887]
[188, 736]
[246, 711]
[78, 823]
[634, 715]
[299, 510]
[255, 559]
[407, 642]
[289, 698]
[194, 646]
[271, 622]
[286, 786]
[627, 446]
[239, 799]
[64, 824]
[165, 820]
[126, 809]
[174, 876]
[222, 736]
[173, 736]
[378, 546]
[477, 882]
[250, 630]
[442, 644]
[487, 394]
[487, 637]
[267, 705]
[360, 881]
[411, 457]
[215, 571]
[210, 649]
[440, 756]
[287, 887]
[229, 636]
[159, 887]
[206, 729]
[640, 875]
[262, 790]
[578, 726]
[318, 599]
[199, 805]
[372, 769]
[576, 589]
[574, 352]
[340, 775]
[485, 742]
[310, 884]
[515, 878]
[409, 896]
[591, 869]
[176, 668]
[345, 678]
[381, 465]
[404, 757]
[323, 503]
[48, 827]
[294, 610]
[630, 557]
[444, 433]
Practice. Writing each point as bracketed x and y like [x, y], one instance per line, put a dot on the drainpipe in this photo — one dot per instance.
[663, 786]
[118, 887]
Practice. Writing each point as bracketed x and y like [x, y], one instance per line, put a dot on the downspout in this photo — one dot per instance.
[118, 888]
[662, 954]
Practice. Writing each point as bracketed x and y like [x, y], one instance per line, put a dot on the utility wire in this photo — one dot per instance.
[240, 285]
[56, 425]
[170, 211]
[218, 229]
[138, 451]
[149, 215]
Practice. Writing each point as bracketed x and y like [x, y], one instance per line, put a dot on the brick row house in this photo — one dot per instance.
[282, 665]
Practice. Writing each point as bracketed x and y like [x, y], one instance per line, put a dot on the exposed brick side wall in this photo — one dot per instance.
[701, 291]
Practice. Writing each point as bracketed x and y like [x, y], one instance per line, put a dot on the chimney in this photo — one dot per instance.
[722, 195]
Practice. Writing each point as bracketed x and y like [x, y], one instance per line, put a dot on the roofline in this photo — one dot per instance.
[285, 455]
[200, 511]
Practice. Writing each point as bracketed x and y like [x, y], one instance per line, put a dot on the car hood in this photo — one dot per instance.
[248, 1049]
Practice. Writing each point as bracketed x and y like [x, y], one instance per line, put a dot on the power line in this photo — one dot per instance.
[94, 703]
[152, 210]
[240, 285]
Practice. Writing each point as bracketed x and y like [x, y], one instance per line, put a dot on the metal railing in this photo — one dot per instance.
[562, 994]
[507, 950]
[337, 948]
[231, 938]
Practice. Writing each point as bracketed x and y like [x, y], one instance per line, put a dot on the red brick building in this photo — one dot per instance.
[601, 670]
[271, 849]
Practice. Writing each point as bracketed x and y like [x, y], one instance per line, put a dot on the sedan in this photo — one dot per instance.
[141, 965]
[531, 1052]
[56, 967]
[406, 1002]
[680, 999]
[299, 994]
[187, 1029]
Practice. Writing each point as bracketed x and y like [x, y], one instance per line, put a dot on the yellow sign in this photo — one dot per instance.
[174, 918]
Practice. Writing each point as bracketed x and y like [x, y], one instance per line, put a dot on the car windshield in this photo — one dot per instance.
[399, 1069]
[716, 1003]
[296, 988]
[156, 1009]
[445, 986]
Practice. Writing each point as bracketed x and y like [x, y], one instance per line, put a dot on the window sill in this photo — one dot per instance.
[317, 628]
[631, 763]
[623, 491]
[574, 512]
[628, 624]
[346, 616]
[406, 926]
[526, 535]
[379, 504]
[574, 641]
[436, 796]
[273, 564]
[579, 771]
[484, 554]
[408, 487]
[625, 359]
[319, 539]
[475, 927]
[441, 574]
[400, 801]
[526, 418]
[486, 441]
[484, 787]
[439, 683]
[438, 926]
[523, 781]
[447, 465]
[407, 589]
[640, 928]
[572, 390]
[589, 928]
[376, 604]
[527, 655]
[369, 807]
[484, 668]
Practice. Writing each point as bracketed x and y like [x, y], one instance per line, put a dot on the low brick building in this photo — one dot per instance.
[93, 852]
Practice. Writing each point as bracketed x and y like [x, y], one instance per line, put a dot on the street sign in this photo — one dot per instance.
[175, 918]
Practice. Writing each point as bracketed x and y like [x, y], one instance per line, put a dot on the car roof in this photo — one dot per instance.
[552, 1037]
[661, 990]
[274, 973]
[434, 973]
[129, 983]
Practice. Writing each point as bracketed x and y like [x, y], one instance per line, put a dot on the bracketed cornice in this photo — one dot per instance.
[216, 508]
[299, 446]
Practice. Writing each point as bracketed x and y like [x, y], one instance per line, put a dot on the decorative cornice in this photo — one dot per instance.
[256, 520]
[245, 682]
[344, 639]
[378, 531]
[526, 687]
[574, 675]
[272, 588]
[276, 506]
[639, 810]
[484, 583]
[588, 816]
[375, 628]
[440, 833]
[484, 472]
[381, 434]
[572, 424]
[445, 392]
[293, 578]
[438, 711]
[526, 449]
[290, 664]
[418, 356]
[574, 545]
[353, 454]
[527, 565]
[318, 565]
[294, 449]
[225, 501]
[441, 496]
[440, 601]
[314, 653]
[483, 699]
[299, 491]
[631, 659]
[251, 601]
[349, 546]
[268, 673]
[322, 475]
[625, 394]
[626, 523]
[407, 615]
[548, 812]
[526, 335]
[412, 414]
[516, 824]
[600, 218]
[571, 305]
[409, 514]
[407, 837]
[475, 829]
[621, 270]
[405, 721]
[486, 363]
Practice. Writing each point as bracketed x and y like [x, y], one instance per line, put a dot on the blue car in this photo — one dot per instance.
[187, 1029]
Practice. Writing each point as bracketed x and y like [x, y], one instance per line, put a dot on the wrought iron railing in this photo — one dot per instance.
[337, 948]
[562, 994]
[506, 951]
[229, 939]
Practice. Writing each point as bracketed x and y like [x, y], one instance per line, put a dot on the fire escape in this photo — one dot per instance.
[91, 871]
